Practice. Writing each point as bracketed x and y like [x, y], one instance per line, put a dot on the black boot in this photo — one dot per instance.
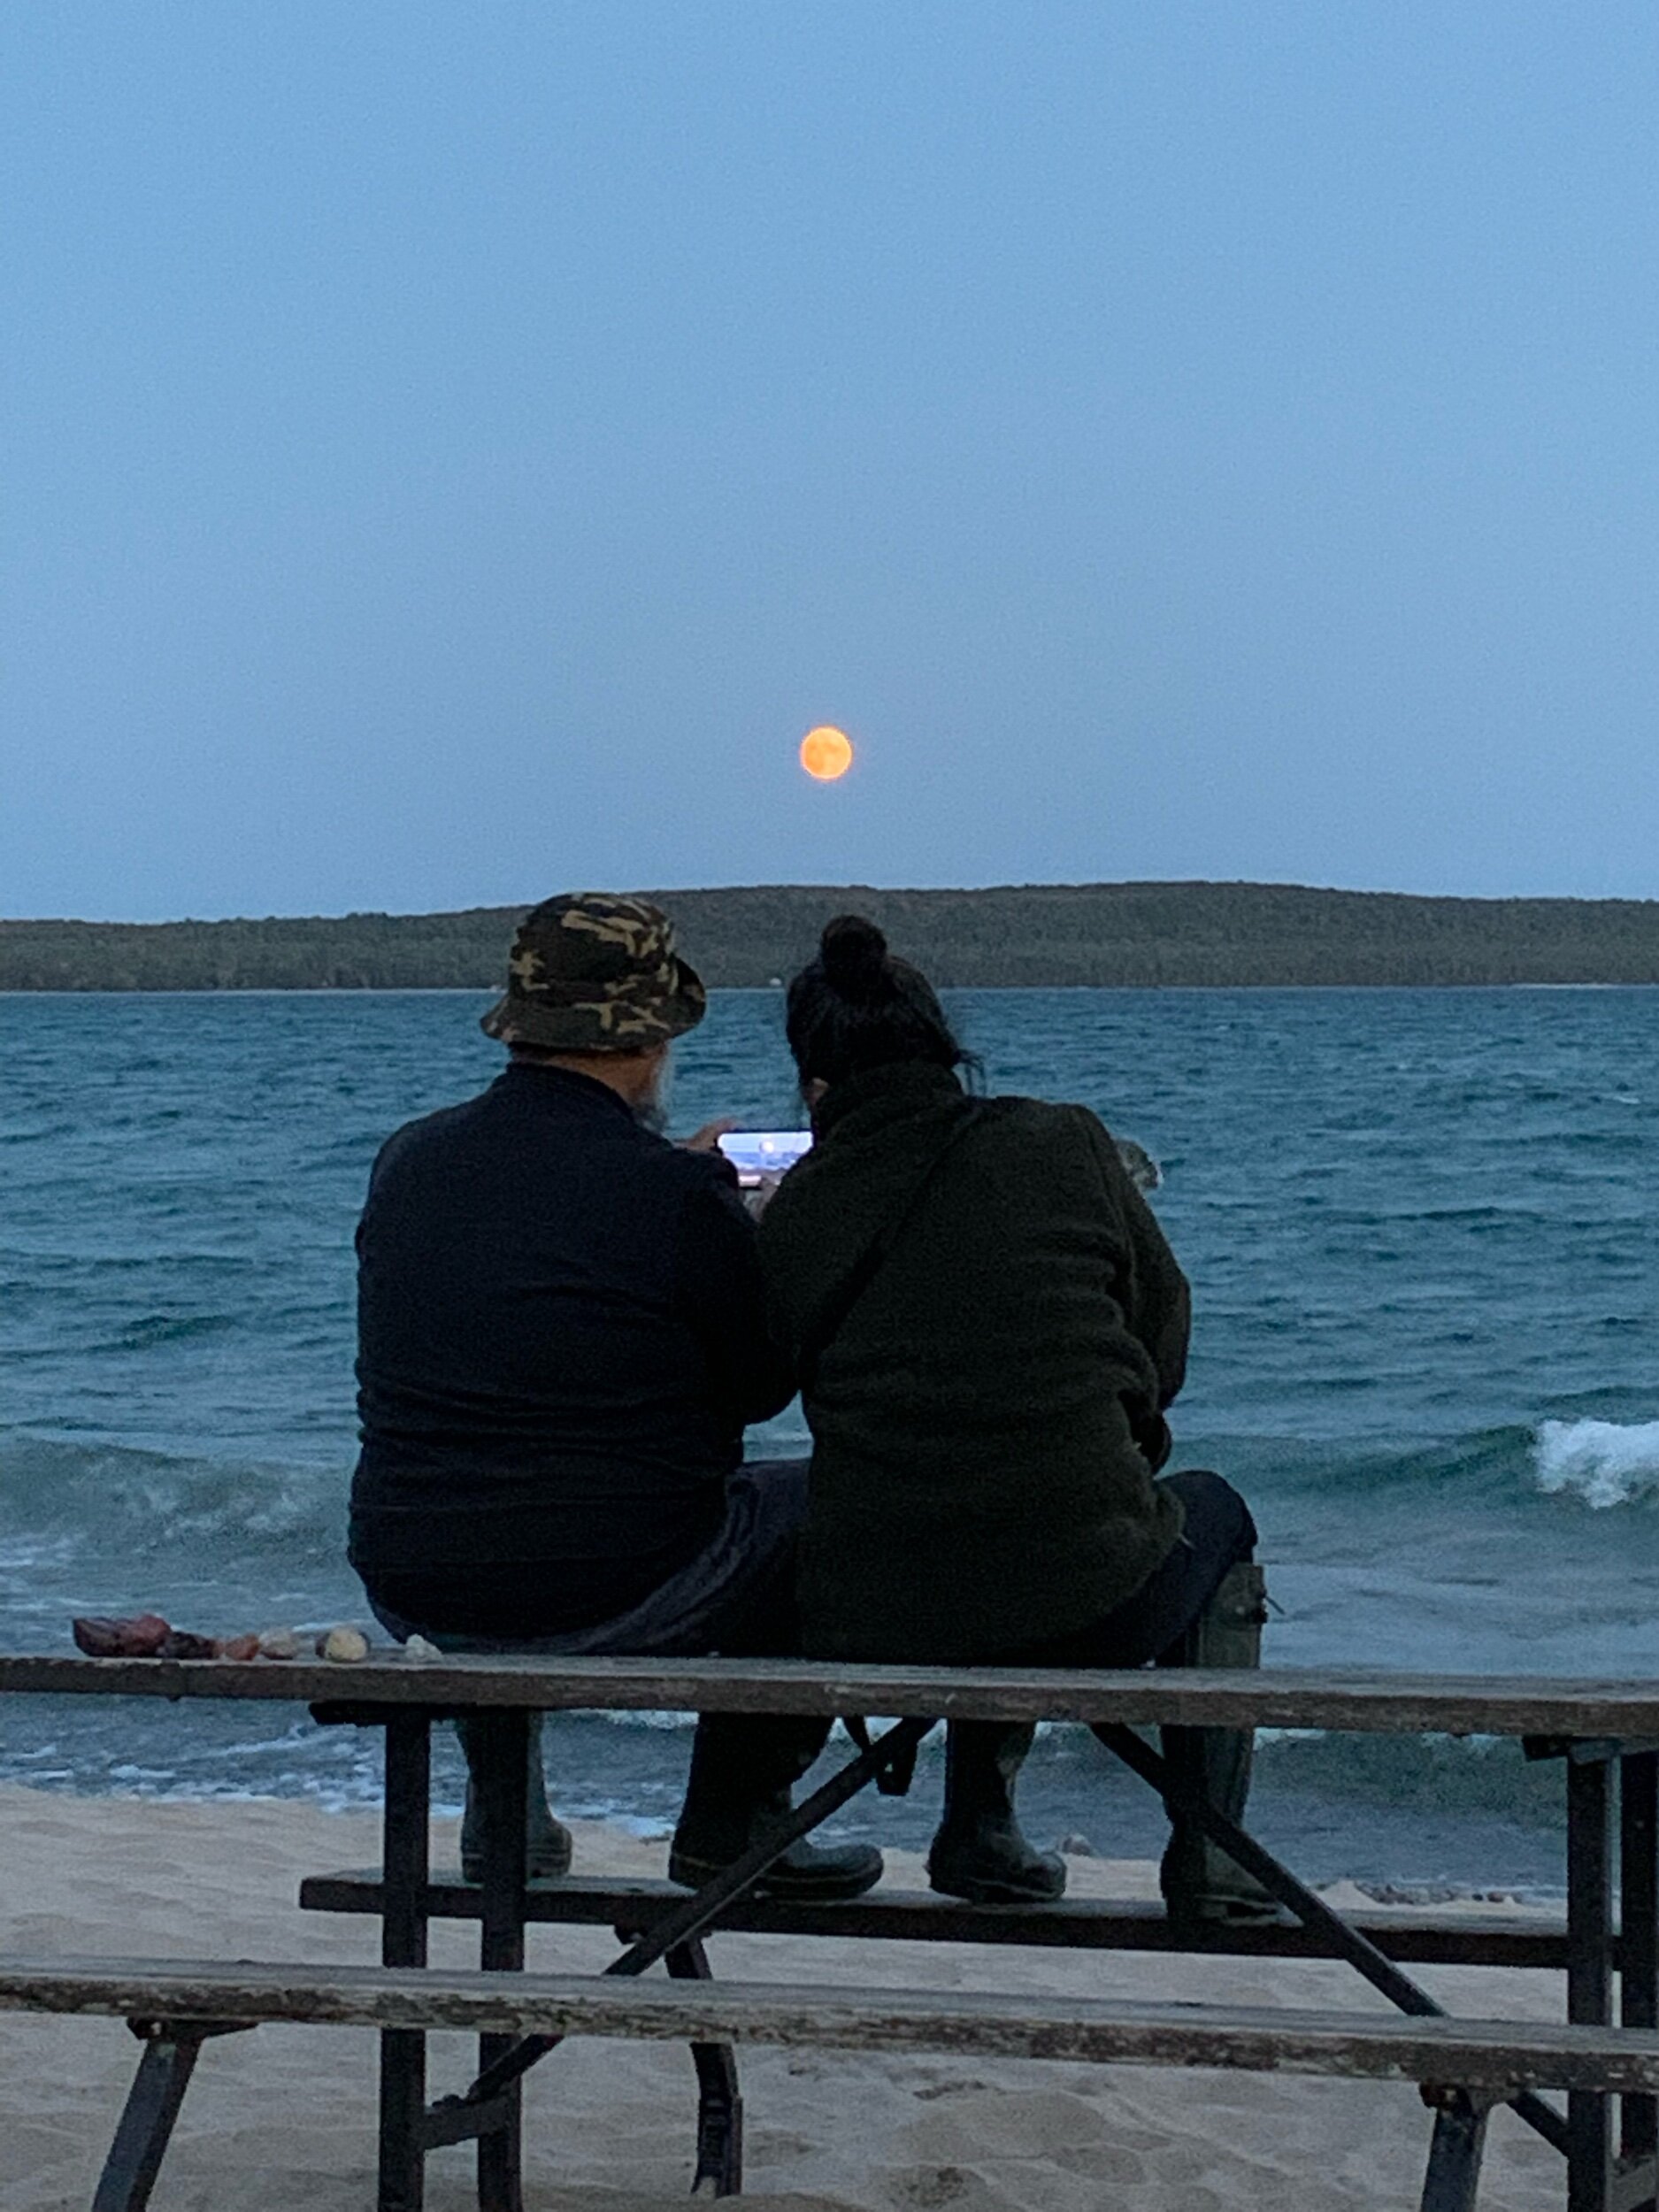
[979, 1852]
[547, 1841]
[1198, 1881]
[742, 1769]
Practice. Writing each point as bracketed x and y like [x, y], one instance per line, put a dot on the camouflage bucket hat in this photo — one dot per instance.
[592, 972]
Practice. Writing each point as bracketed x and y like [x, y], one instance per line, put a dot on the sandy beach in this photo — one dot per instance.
[282, 2120]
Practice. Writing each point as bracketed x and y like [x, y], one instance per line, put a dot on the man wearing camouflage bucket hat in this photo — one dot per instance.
[561, 1338]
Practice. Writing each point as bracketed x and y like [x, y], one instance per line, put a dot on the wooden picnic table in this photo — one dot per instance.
[1605, 1733]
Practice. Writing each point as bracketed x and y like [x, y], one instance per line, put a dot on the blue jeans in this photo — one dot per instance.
[1218, 1535]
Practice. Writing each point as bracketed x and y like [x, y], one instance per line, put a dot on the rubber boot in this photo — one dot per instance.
[979, 1852]
[743, 1767]
[547, 1841]
[1198, 1881]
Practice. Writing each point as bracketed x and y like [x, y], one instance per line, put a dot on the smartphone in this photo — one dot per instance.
[758, 1153]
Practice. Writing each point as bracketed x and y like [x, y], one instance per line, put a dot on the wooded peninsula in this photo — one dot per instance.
[1135, 934]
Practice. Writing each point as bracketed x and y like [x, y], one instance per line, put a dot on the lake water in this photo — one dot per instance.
[1421, 1228]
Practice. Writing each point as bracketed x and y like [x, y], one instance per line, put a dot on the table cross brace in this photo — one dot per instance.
[703, 1908]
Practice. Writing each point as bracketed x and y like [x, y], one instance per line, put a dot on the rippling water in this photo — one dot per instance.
[1421, 1228]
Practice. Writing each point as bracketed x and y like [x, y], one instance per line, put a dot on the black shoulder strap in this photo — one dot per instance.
[862, 1272]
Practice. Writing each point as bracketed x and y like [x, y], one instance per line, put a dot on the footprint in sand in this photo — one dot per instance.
[934, 2185]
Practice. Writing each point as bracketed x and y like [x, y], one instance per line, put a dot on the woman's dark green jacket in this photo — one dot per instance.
[987, 1418]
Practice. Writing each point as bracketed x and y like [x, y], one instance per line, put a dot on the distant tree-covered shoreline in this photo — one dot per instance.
[1136, 934]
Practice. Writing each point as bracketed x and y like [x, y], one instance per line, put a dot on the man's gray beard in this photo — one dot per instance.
[653, 1113]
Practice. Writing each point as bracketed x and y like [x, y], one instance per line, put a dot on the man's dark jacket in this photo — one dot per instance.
[560, 1341]
[988, 1417]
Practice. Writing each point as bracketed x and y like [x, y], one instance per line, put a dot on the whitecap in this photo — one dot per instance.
[1604, 1462]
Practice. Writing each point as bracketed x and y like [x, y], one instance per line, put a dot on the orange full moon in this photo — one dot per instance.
[827, 753]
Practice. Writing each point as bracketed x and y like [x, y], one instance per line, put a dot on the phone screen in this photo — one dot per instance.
[758, 1153]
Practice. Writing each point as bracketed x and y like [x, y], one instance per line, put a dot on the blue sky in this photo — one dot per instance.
[452, 452]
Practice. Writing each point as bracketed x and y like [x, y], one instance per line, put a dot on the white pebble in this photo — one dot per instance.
[348, 1646]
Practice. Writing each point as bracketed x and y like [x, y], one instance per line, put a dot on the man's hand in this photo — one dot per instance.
[760, 1195]
[708, 1138]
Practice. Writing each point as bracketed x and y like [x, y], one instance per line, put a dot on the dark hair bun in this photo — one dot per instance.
[855, 957]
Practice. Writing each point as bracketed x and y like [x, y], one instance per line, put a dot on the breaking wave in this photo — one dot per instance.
[95, 1498]
[1604, 1462]
[110, 1499]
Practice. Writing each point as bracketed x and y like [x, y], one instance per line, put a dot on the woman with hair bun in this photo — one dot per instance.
[988, 1326]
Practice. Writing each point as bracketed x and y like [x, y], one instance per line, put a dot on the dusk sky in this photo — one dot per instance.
[454, 452]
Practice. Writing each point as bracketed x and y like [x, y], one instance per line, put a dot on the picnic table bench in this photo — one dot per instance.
[1606, 1735]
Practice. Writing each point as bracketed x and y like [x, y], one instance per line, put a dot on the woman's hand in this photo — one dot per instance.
[708, 1138]
[759, 1196]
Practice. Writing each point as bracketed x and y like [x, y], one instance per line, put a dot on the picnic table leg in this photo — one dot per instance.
[503, 1754]
[1456, 2151]
[147, 2118]
[403, 1943]
[1639, 1967]
[720, 2100]
[1589, 1967]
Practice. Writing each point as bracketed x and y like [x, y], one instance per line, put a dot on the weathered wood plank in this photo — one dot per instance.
[1274, 1698]
[1436, 1939]
[1500, 2054]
